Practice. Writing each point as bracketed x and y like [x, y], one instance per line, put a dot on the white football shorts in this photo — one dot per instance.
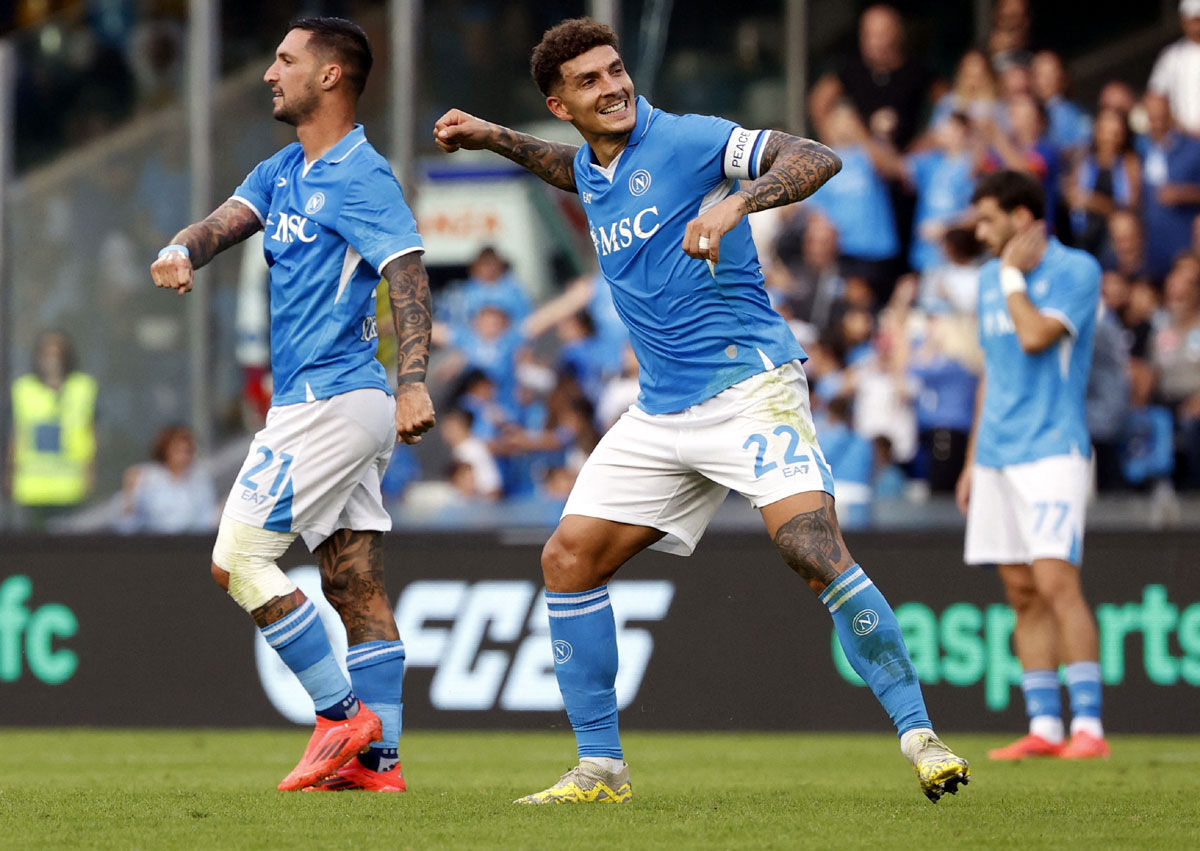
[315, 467]
[672, 471]
[1024, 512]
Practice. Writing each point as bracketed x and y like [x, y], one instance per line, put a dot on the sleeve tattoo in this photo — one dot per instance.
[412, 311]
[553, 162]
[227, 225]
[792, 169]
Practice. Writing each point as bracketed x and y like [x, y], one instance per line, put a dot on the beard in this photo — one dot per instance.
[299, 110]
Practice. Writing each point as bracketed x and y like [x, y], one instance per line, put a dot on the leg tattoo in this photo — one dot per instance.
[352, 579]
[812, 546]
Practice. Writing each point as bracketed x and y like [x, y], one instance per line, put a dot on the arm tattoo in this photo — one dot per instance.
[553, 162]
[352, 581]
[412, 311]
[811, 546]
[227, 225]
[792, 169]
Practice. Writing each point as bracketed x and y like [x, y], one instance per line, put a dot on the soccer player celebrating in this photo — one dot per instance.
[1025, 484]
[724, 400]
[335, 219]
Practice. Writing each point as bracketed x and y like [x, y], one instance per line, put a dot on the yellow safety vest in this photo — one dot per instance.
[55, 439]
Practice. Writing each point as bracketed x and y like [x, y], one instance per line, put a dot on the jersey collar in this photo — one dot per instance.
[643, 111]
[345, 145]
[1053, 248]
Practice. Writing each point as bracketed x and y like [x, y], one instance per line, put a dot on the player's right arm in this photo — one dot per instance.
[227, 225]
[553, 162]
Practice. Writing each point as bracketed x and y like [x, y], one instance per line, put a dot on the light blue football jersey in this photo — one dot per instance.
[1033, 405]
[329, 229]
[695, 331]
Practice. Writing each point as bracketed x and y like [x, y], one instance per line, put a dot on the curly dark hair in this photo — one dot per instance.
[562, 43]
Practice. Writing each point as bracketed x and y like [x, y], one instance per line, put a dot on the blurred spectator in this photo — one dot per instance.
[52, 451]
[952, 287]
[857, 203]
[455, 428]
[1107, 402]
[1176, 356]
[620, 392]
[887, 478]
[1126, 249]
[814, 288]
[1070, 126]
[1118, 95]
[945, 363]
[944, 180]
[1171, 172]
[1176, 72]
[886, 86]
[490, 284]
[172, 494]
[1027, 149]
[1107, 179]
[884, 392]
[975, 92]
[851, 461]
[489, 343]
[1008, 41]
[586, 355]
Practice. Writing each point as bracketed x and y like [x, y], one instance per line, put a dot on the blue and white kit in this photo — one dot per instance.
[1031, 474]
[723, 402]
[330, 227]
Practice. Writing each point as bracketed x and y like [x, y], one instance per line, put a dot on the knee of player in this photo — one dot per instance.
[244, 563]
[1023, 596]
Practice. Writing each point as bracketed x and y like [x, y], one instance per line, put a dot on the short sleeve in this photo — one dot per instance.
[255, 191]
[718, 144]
[1074, 298]
[376, 220]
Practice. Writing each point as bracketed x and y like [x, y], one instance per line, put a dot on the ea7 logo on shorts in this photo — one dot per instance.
[562, 651]
[865, 622]
[291, 228]
[639, 182]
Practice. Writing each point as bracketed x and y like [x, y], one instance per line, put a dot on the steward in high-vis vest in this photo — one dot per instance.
[54, 437]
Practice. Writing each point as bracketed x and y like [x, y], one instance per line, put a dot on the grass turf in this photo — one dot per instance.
[215, 790]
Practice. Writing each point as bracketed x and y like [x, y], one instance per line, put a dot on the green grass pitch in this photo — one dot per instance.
[200, 790]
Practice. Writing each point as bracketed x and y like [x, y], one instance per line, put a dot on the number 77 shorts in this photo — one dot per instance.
[1024, 512]
[315, 467]
[672, 471]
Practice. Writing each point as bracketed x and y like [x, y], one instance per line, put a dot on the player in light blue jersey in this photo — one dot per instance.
[334, 220]
[724, 400]
[1025, 484]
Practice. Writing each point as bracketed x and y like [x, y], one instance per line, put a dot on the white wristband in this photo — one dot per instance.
[1011, 280]
[182, 249]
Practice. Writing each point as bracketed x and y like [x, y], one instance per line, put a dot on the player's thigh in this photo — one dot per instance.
[768, 450]
[307, 459]
[585, 552]
[994, 521]
[634, 476]
[1053, 494]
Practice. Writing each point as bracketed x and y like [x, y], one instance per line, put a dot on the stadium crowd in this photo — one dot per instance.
[877, 275]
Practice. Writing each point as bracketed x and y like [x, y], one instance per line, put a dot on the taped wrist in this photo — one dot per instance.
[1011, 280]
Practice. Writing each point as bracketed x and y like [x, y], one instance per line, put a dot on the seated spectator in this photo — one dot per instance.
[1175, 352]
[1107, 179]
[1176, 72]
[944, 179]
[455, 428]
[620, 392]
[173, 494]
[953, 286]
[1118, 95]
[1026, 147]
[1070, 126]
[857, 203]
[1126, 251]
[489, 343]
[945, 364]
[884, 392]
[489, 283]
[814, 289]
[1171, 169]
[586, 355]
[1108, 399]
[974, 93]
[851, 461]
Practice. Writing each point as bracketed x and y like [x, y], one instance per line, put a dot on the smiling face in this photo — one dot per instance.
[596, 94]
[294, 79]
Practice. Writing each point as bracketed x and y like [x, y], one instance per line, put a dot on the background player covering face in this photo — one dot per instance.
[723, 401]
[1024, 487]
[335, 219]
